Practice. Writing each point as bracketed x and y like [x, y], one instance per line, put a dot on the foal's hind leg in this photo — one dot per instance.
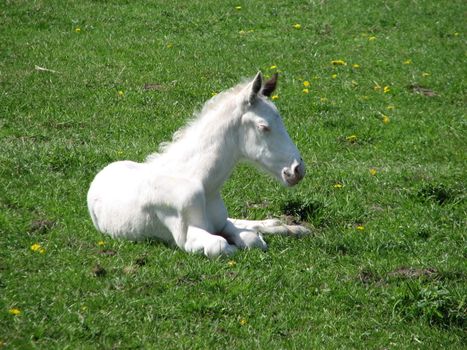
[270, 227]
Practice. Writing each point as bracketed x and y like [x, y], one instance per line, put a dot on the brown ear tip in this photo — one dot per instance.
[270, 85]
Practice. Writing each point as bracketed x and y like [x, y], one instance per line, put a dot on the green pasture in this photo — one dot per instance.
[373, 94]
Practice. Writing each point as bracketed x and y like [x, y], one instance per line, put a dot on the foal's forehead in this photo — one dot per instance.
[266, 109]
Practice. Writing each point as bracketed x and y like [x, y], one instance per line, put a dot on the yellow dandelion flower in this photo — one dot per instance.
[121, 93]
[386, 89]
[334, 76]
[36, 247]
[242, 321]
[306, 83]
[409, 61]
[14, 311]
[238, 7]
[77, 29]
[372, 38]
[386, 119]
[425, 74]
[275, 97]
[338, 63]
[360, 227]
[306, 91]
[297, 26]
[101, 243]
[231, 263]
[273, 67]
[351, 138]
[373, 171]
[338, 185]
[355, 65]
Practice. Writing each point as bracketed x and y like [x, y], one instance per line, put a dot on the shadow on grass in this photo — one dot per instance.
[308, 210]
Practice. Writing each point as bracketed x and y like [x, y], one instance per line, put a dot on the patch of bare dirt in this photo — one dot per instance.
[421, 90]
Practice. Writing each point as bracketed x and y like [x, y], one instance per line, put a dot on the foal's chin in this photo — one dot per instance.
[286, 182]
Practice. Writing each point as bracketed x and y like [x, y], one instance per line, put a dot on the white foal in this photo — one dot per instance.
[175, 195]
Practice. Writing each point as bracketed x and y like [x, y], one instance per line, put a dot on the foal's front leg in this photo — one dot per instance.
[243, 237]
[186, 218]
[270, 227]
[201, 241]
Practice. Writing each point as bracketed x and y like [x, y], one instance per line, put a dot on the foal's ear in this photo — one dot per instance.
[270, 86]
[255, 87]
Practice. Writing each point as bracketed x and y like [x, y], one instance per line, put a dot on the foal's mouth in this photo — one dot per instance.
[293, 175]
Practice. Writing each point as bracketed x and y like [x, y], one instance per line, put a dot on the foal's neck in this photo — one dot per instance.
[207, 152]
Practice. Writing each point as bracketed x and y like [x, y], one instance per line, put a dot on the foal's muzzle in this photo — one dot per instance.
[295, 173]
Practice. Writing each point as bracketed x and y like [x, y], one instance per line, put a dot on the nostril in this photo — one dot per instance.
[294, 173]
[298, 168]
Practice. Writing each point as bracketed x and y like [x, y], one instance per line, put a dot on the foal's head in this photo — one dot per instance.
[263, 137]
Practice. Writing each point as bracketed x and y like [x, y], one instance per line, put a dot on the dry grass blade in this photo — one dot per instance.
[42, 69]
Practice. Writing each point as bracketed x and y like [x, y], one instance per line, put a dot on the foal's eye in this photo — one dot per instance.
[264, 128]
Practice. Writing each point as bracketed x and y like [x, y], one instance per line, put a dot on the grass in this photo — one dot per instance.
[385, 265]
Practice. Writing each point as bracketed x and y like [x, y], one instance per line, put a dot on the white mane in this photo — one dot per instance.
[225, 99]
